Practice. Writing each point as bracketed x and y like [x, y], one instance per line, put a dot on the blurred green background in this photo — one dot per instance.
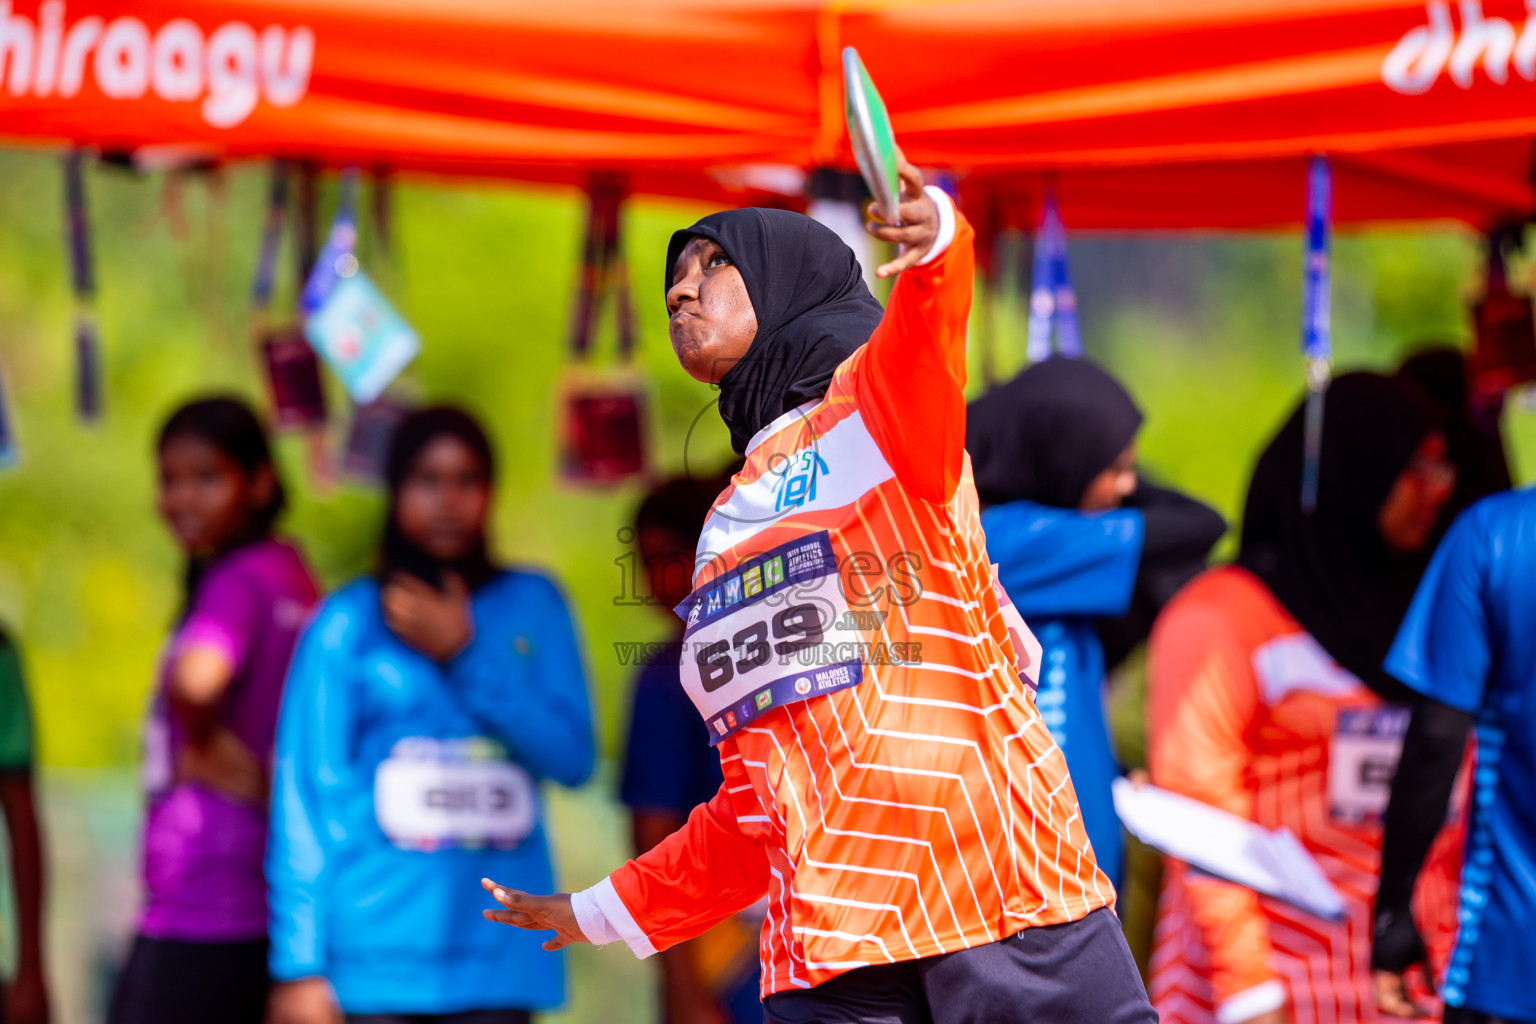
[1203, 330]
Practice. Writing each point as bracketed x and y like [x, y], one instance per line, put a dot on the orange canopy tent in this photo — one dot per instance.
[1144, 113]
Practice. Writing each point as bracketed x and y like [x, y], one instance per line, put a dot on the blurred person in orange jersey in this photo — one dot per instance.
[201, 950]
[1268, 700]
[24, 998]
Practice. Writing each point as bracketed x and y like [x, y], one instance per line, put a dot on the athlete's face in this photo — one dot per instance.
[1408, 516]
[712, 321]
[205, 496]
[444, 499]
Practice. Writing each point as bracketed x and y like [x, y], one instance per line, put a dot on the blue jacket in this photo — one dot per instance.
[1063, 568]
[373, 734]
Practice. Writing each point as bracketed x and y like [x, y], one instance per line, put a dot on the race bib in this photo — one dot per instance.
[1362, 760]
[775, 630]
[432, 794]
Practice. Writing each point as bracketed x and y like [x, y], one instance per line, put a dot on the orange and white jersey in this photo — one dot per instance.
[1250, 714]
[889, 783]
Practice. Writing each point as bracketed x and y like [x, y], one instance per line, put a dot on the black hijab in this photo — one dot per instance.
[1045, 435]
[398, 553]
[813, 310]
[1331, 569]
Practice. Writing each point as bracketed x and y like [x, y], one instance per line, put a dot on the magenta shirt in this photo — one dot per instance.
[203, 852]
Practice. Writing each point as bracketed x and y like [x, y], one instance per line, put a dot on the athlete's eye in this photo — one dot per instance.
[719, 259]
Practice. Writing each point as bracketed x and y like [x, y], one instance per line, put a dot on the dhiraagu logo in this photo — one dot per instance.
[797, 479]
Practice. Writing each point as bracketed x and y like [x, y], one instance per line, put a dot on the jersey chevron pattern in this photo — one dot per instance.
[924, 809]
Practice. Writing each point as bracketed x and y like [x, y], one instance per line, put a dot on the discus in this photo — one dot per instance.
[869, 130]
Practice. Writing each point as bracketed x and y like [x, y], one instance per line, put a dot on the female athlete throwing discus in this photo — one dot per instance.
[889, 787]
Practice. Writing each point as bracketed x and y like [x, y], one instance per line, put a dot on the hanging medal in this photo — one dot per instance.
[1316, 320]
[87, 342]
[603, 426]
[1052, 299]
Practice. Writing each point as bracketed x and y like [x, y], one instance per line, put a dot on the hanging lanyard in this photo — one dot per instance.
[336, 258]
[7, 435]
[1316, 319]
[271, 237]
[603, 271]
[83, 279]
[1052, 300]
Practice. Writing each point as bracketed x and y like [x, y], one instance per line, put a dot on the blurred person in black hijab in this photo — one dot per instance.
[1348, 570]
[453, 543]
[1087, 550]
[426, 706]
[1268, 700]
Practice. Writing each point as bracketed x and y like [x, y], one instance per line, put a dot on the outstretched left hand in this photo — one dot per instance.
[535, 914]
[919, 221]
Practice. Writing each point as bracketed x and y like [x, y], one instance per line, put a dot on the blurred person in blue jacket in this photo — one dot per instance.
[1087, 551]
[670, 768]
[424, 707]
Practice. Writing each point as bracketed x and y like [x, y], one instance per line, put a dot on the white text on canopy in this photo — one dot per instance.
[227, 71]
[1424, 53]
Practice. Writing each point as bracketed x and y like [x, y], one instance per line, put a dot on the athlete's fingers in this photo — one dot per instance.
[508, 896]
[558, 942]
[515, 918]
[900, 263]
[911, 177]
[905, 234]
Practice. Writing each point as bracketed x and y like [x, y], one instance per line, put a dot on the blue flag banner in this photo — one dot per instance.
[1316, 318]
[1317, 279]
[1052, 300]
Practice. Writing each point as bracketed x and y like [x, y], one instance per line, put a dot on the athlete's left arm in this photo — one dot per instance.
[911, 385]
[529, 687]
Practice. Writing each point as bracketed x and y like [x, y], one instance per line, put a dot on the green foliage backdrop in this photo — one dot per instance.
[1203, 331]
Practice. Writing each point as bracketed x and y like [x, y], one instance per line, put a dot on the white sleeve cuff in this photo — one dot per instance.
[1249, 1003]
[946, 235]
[603, 918]
[589, 918]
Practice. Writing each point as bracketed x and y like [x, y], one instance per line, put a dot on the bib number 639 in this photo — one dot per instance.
[793, 628]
